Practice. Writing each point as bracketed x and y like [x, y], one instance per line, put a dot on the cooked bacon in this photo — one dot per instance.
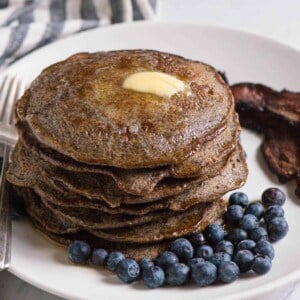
[281, 148]
[277, 116]
[258, 97]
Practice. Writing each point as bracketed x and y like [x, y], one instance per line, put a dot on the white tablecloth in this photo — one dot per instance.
[277, 19]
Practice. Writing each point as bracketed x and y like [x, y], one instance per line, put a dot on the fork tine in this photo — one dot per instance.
[11, 97]
[5, 216]
[6, 83]
[3, 82]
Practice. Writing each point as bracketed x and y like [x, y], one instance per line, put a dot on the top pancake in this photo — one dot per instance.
[79, 108]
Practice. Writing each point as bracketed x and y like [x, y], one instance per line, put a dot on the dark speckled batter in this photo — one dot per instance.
[79, 108]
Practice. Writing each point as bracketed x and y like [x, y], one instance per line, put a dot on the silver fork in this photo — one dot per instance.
[10, 90]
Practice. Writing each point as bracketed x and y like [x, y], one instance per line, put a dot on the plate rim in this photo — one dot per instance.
[276, 284]
[141, 23]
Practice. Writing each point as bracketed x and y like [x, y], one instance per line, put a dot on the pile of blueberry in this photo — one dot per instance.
[204, 258]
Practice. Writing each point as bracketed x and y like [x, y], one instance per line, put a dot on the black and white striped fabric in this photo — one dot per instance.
[26, 25]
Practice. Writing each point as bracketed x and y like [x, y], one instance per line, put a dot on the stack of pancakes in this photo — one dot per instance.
[122, 169]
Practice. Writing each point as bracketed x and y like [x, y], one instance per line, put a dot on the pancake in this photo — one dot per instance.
[130, 180]
[26, 170]
[96, 187]
[195, 219]
[65, 199]
[112, 196]
[143, 181]
[38, 210]
[210, 153]
[78, 110]
[233, 176]
[101, 186]
[136, 252]
[88, 218]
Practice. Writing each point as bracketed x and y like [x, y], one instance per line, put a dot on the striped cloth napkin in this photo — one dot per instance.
[26, 25]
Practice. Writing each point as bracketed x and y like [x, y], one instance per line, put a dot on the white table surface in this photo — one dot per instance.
[277, 19]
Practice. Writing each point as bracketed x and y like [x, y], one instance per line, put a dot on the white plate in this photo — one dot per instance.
[244, 57]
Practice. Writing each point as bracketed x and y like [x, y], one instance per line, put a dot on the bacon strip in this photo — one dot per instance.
[277, 116]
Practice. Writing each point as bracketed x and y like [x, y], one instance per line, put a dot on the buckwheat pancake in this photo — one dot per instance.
[78, 106]
[88, 218]
[211, 153]
[143, 181]
[26, 170]
[194, 219]
[233, 176]
[99, 187]
[60, 197]
[133, 251]
[140, 183]
[93, 189]
[46, 223]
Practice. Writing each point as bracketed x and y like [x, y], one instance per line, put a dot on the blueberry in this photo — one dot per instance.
[204, 274]
[128, 270]
[79, 252]
[245, 154]
[146, 263]
[264, 248]
[214, 233]
[228, 271]
[237, 235]
[249, 222]
[99, 257]
[255, 209]
[244, 259]
[246, 245]
[225, 246]
[272, 212]
[177, 274]
[277, 229]
[205, 252]
[182, 248]
[259, 233]
[262, 265]
[273, 196]
[194, 261]
[197, 239]
[166, 259]
[239, 199]
[153, 277]
[113, 259]
[218, 257]
[234, 213]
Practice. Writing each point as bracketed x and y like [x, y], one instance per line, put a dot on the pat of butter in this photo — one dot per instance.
[158, 83]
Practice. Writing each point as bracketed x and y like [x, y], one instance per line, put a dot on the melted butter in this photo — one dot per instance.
[158, 83]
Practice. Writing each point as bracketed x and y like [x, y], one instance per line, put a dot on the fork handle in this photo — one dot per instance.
[5, 215]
